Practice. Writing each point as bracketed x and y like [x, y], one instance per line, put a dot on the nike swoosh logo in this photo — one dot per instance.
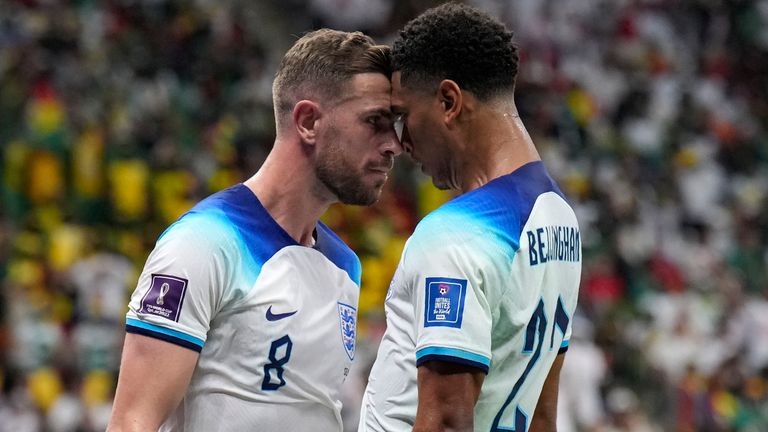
[274, 317]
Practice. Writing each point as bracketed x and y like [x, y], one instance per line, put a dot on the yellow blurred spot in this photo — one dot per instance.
[393, 250]
[44, 387]
[377, 275]
[373, 285]
[128, 181]
[46, 115]
[67, 245]
[582, 106]
[333, 216]
[725, 404]
[46, 177]
[171, 189]
[62, 309]
[87, 159]
[222, 179]
[48, 217]
[97, 388]
[131, 244]
[577, 184]
[430, 197]
[686, 158]
[224, 140]
[29, 243]
[26, 272]
[16, 154]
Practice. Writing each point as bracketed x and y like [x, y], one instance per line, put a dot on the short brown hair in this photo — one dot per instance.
[321, 62]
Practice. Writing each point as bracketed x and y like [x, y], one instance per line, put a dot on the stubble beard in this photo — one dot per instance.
[341, 178]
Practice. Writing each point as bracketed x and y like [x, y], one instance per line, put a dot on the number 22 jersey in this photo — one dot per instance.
[274, 322]
[490, 280]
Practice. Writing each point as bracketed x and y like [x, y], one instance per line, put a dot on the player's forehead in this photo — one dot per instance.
[403, 99]
[367, 91]
[397, 97]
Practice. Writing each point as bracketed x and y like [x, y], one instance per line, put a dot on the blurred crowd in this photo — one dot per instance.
[117, 116]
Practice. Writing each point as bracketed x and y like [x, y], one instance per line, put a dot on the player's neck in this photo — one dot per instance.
[284, 186]
[501, 146]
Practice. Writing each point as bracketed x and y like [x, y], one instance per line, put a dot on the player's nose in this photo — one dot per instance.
[391, 144]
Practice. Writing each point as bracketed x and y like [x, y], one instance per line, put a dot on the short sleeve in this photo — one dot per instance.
[180, 287]
[451, 309]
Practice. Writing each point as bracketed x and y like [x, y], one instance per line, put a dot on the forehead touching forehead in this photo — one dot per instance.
[404, 96]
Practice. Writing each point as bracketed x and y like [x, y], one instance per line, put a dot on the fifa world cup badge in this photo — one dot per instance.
[164, 297]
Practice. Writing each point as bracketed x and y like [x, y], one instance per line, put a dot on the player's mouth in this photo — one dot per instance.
[382, 168]
[379, 173]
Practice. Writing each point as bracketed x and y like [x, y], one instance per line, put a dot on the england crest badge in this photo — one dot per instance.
[348, 323]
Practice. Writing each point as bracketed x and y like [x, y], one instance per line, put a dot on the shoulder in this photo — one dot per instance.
[490, 218]
[198, 230]
[205, 225]
[338, 252]
[233, 222]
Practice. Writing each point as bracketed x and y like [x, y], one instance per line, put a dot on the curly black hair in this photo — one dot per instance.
[457, 42]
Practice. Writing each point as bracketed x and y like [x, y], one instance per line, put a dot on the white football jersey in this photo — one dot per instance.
[274, 322]
[490, 280]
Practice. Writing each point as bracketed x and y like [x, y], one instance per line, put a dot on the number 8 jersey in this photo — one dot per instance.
[274, 322]
[490, 280]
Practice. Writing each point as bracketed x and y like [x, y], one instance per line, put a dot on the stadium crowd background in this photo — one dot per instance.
[117, 116]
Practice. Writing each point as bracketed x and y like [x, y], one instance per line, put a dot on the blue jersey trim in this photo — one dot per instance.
[260, 233]
[166, 334]
[330, 245]
[564, 346]
[500, 208]
[262, 236]
[453, 355]
[451, 359]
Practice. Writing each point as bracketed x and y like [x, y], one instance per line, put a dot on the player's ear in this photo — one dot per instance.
[305, 115]
[451, 100]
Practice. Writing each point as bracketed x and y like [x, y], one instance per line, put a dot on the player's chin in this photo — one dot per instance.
[376, 189]
[374, 183]
[374, 194]
[378, 184]
[364, 196]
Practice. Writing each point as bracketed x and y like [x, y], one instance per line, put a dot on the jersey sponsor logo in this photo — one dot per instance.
[554, 243]
[445, 302]
[348, 323]
[278, 316]
[165, 296]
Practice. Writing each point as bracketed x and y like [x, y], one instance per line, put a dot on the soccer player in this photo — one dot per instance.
[244, 315]
[479, 309]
